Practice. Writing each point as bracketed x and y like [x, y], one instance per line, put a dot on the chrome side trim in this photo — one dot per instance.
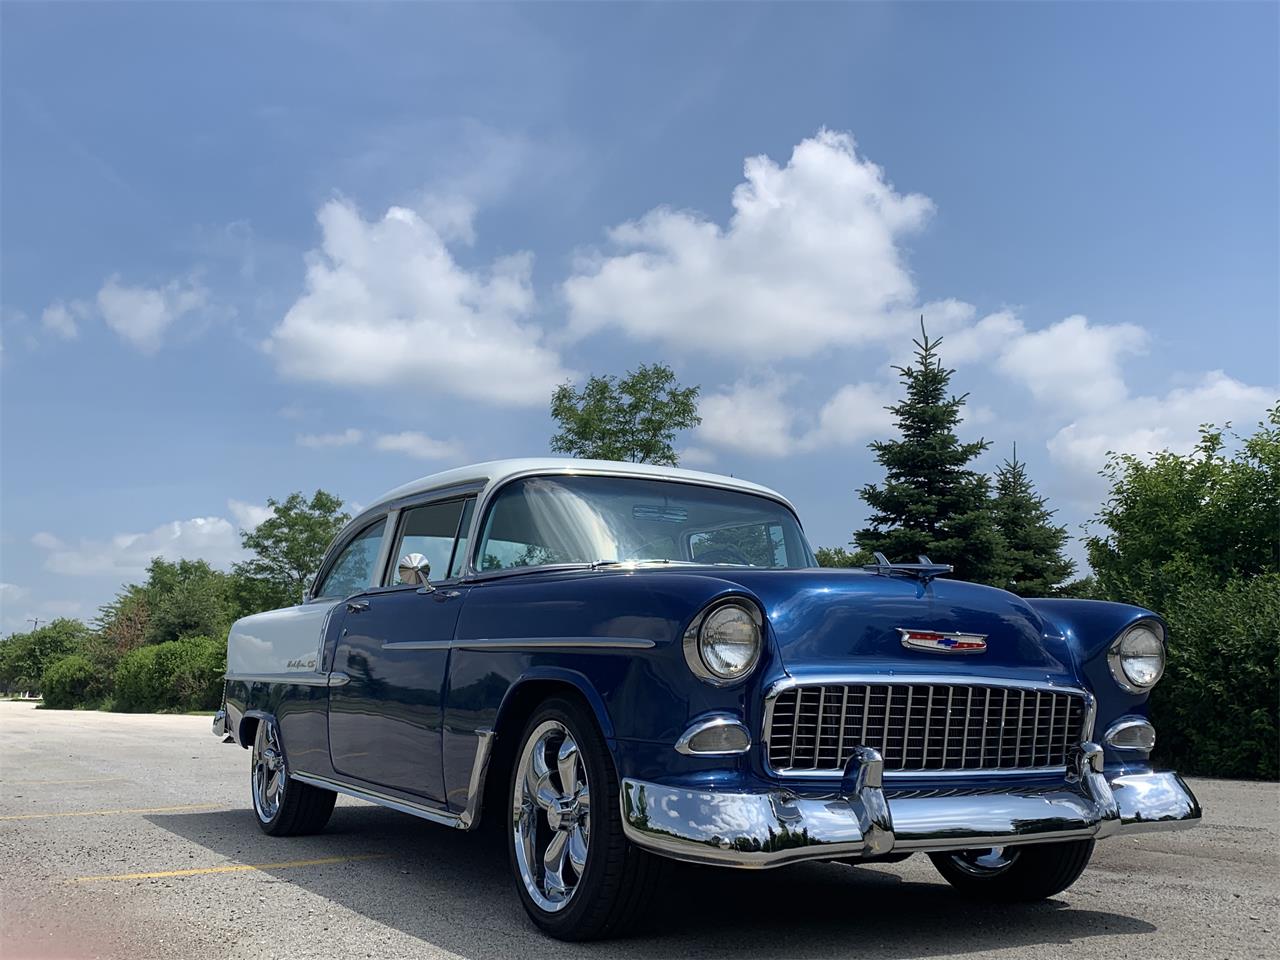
[422, 810]
[710, 723]
[469, 819]
[834, 679]
[533, 643]
[300, 678]
[417, 645]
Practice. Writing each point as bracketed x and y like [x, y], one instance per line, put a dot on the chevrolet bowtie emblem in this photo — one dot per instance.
[933, 641]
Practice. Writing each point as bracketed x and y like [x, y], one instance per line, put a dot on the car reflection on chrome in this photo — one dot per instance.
[621, 662]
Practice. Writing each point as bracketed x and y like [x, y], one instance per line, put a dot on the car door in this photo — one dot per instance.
[386, 719]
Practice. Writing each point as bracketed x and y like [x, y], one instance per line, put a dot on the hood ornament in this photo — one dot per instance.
[935, 641]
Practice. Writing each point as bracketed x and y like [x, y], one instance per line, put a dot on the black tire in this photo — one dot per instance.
[1034, 872]
[618, 880]
[292, 809]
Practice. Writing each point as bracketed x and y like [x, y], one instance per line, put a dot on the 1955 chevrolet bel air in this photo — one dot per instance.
[621, 663]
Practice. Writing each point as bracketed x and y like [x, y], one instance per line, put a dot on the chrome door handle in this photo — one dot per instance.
[356, 606]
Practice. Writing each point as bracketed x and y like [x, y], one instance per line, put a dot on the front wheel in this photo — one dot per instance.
[578, 877]
[1015, 874]
[284, 807]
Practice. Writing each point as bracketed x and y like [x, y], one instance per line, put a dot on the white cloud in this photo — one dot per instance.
[141, 315]
[60, 318]
[1144, 425]
[696, 457]
[1074, 364]
[756, 417]
[248, 516]
[751, 417]
[810, 259]
[346, 438]
[12, 593]
[214, 539]
[418, 445]
[386, 304]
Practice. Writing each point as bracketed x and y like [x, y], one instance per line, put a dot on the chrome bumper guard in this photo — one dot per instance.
[774, 827]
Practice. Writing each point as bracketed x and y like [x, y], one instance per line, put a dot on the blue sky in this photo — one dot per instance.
[249, 249]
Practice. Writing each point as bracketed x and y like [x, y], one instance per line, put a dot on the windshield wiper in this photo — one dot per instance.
[598, 564]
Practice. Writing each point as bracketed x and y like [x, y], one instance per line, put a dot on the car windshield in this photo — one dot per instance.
[605, 520]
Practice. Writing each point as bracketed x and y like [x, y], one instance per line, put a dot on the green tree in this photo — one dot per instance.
[287, 548]
[24, 656]
[1194, 538]
[187, 597]
[840, 557]
[930, 502]
[71, 681]
[635, 418]
[1030, 562]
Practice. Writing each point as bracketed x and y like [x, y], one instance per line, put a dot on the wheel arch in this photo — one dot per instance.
[521, 700]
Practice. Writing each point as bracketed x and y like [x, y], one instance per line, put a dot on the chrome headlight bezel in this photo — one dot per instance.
[1117, 656]
[695, 638]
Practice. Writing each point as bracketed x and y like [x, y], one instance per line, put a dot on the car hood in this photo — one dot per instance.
[850, 620]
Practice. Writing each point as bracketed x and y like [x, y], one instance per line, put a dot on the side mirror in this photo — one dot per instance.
[414, 568]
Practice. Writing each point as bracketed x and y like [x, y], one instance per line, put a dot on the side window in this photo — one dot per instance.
[353, 571]
[431, 531]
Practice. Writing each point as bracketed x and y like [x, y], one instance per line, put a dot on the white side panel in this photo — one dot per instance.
[278, 641]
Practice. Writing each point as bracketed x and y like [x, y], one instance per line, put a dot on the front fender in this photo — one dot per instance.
[1088, 628]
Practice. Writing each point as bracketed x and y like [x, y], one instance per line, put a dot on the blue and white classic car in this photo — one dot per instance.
[623, 663]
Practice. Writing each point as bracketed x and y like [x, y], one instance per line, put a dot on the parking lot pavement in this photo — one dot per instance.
[130, 837]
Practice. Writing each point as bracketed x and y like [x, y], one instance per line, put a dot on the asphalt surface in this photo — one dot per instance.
[90, 801]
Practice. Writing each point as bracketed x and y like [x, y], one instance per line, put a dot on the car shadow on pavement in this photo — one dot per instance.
[454, 890]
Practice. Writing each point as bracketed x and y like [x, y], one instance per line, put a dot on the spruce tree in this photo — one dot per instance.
[930, 502]
[1031, 562]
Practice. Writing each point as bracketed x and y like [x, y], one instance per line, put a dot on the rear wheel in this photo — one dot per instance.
[284, 807]
[578, 877]
[1012, 874]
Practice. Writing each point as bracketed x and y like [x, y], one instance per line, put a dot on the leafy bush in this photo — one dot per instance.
[1215, 710]
[181, 674]
[71, 682]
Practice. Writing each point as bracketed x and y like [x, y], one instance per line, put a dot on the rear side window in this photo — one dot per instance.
[353, 571]
[430, 530]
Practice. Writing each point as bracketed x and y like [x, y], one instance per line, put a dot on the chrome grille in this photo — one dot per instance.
[919, 726]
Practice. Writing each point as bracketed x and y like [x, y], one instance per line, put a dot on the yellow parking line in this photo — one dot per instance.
[82, 780]
[234, 868]
[109, 813]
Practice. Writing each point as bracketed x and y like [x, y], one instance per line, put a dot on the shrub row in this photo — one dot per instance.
[181, 674]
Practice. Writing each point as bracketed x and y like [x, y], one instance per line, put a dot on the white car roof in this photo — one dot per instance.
[496, 472]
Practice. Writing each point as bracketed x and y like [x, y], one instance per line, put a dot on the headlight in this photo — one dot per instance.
[723, 644]
[1137, 657]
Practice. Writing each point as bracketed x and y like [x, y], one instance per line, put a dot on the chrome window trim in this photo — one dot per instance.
[833, 679]
[710, 723]
[491, 491]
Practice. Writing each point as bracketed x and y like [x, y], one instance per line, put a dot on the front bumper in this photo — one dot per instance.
[772, 827]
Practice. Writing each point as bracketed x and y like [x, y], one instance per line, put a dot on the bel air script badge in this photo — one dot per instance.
[932, 641]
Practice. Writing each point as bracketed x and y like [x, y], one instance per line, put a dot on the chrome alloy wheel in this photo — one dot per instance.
[985, 862]
[269, 776]
[551, 816]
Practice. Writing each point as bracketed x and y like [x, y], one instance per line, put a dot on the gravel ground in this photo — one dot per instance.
[90, 800]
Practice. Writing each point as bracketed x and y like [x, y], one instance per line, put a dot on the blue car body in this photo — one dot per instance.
[412, 698]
